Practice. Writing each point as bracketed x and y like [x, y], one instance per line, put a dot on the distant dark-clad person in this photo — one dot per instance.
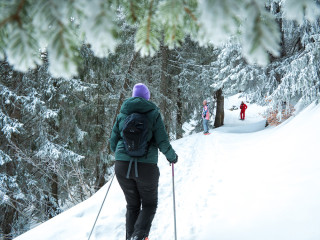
[139, 176]
[243, 108]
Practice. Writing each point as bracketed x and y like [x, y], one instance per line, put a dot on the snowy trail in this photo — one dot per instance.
[242, 182]
[196, 179]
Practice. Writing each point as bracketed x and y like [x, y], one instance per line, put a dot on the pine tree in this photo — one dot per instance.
[60, 27]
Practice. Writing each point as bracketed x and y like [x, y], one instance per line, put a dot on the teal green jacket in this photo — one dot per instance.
[157, 135]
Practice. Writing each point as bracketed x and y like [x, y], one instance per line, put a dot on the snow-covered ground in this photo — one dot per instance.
[242, 182]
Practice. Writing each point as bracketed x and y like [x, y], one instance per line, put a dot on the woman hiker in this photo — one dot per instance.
[139, 176]
[205, 117]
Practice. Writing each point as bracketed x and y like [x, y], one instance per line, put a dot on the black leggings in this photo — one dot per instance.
[141, 194]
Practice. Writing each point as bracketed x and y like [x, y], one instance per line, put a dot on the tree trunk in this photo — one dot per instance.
[52, 204]
[219, 120]
[54, 190]
[10, 211]
[7, 222]
[164, 85]
[179, 115]
[100, 165]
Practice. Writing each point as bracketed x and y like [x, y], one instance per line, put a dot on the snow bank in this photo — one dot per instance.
[268, 183]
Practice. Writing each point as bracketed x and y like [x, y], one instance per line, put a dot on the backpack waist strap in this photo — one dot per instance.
[135, 167]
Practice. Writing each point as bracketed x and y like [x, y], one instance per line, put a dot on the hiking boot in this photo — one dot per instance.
[136, 238]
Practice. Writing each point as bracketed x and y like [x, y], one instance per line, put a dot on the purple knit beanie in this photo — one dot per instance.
[141, 90]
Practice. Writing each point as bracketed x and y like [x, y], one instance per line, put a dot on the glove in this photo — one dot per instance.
[174, 160]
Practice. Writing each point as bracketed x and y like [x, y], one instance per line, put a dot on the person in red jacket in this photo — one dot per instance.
[243, 108]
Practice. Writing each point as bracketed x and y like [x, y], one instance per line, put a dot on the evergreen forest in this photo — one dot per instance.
[67, 66]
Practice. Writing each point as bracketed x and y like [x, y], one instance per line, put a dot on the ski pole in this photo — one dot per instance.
[101, 207]
[174, 204]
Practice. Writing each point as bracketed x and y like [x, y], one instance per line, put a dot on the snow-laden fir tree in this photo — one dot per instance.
[291, 77]
[61, 26]
[34, 156]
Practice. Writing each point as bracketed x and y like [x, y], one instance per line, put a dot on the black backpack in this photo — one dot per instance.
[134, 133]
